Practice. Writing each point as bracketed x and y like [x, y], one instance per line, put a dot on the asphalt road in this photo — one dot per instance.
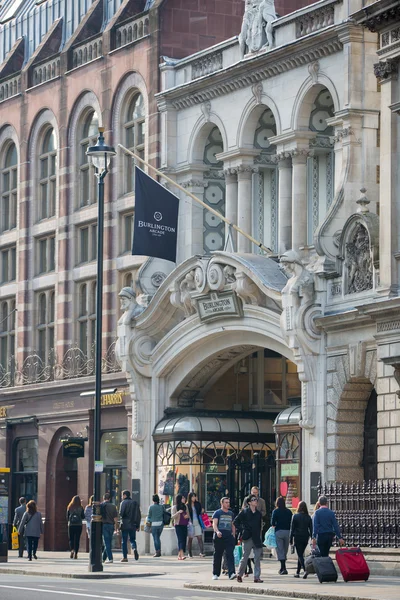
[17, 587]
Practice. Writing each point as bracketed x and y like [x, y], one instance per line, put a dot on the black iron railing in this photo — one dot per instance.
[75, 363]
[368, 512]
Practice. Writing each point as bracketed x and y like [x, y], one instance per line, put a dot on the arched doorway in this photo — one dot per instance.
[371, 439]
[63, 484]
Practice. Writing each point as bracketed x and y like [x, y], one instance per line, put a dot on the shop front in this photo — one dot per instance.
[214, 456]
[288, 454]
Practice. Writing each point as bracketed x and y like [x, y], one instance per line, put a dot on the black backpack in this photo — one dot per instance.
[75, 518]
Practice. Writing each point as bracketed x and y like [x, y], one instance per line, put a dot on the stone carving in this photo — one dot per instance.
[385, 69]
[301, 282]
[206, 110]
[191, 183]
[256, 32]
[257, 90]
[186, 286]
[206, 65]
[129, 304]
[313, 69]
[247, 290]
[358, 261]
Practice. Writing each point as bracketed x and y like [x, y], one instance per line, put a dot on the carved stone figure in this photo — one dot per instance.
[358, 263]
[186, 286]
[256, 32]
[129, 305]
[301, 281]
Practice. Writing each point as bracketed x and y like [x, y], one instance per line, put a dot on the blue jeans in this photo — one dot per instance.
[108, 530]
[131, 533]
[156, 533]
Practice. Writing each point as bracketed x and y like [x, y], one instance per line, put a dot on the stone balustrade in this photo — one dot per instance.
[314, 21]
[46, 71]
[10, 87]
[131, 31]
[206, 65]
[86, 52]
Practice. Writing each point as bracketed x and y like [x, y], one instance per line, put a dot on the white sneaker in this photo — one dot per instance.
[233, 576]
[109, 561]
[215, 577]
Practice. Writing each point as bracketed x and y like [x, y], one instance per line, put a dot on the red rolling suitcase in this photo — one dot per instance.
[352, 564]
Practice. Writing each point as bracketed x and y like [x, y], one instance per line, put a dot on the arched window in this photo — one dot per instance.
[134, 128]
[321, 165]
[87, 317]
[87, 183]
[45, 324]
[47, 176]
[265, 184]
[214, 194]
[7, 332]
[8, 209]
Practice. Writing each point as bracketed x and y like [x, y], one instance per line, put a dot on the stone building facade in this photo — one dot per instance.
[285, 131]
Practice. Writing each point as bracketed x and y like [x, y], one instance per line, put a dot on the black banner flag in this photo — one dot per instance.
[156, 219]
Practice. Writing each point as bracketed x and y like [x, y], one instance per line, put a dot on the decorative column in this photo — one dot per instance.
[245, 173]
[284, 203]
[231, 201]
[389, 214]
[299, 198]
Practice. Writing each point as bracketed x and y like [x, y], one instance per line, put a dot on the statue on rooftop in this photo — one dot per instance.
[256, 32]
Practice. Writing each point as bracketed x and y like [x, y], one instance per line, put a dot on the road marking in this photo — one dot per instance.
[143, 596]
[13, 587]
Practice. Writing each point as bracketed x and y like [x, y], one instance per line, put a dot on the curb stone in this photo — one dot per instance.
[271, 592]
[100, 575]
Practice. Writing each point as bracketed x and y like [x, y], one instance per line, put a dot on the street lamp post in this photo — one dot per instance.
[100, 155]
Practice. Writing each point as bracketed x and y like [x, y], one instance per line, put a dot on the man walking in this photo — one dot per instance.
[130, 516]
[224, 538]
[18, 514]
[249, 520]
[110, 524]
[325, 527]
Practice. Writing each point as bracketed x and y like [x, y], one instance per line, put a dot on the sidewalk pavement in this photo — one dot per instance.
[197, 574]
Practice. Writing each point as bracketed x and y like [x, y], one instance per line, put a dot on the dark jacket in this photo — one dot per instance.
[18, 514]
[199, 509]
[324, 521]
[250, 524]
[301, 527]
[281, 519]
[130, 515]
[108, 512]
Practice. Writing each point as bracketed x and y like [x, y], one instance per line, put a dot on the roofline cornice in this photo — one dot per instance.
[253, 69]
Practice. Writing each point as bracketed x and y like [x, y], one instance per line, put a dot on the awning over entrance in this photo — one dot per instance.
[289, 416]
[209, 427]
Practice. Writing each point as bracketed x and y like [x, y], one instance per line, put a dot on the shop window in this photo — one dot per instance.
[114, 454]
[289, 468]
[26, 469]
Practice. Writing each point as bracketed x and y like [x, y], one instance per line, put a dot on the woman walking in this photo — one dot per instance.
[195, 510]
[281, 520]
[31, 527]
[155, 517]
[88, 515]
[300, 533]
[180, 517]
[75, 518]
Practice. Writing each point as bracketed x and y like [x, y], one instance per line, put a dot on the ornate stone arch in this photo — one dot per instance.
[351, 379]
[250, 117]
[8, 134]
[87, 100]
[306, 95]
[199, 136]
